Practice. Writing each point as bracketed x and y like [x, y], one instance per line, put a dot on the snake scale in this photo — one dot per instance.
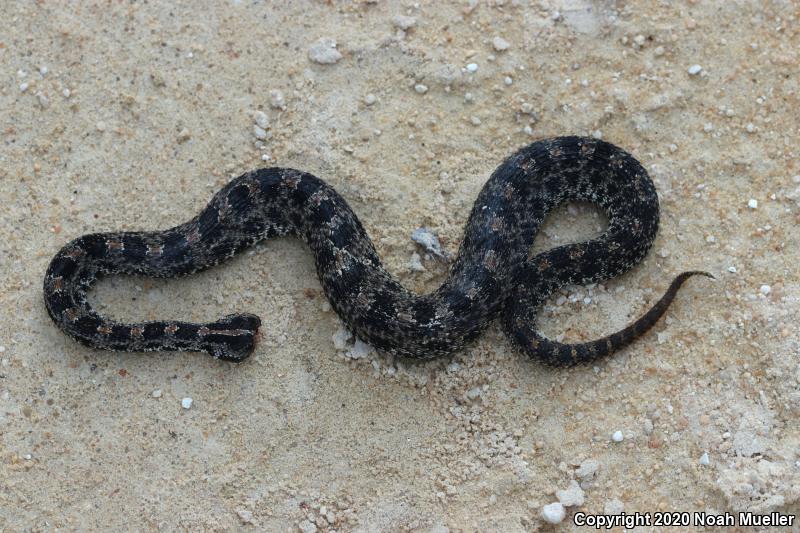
[493, 275]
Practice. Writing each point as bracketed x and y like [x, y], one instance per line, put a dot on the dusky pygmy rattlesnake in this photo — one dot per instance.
[492, 274]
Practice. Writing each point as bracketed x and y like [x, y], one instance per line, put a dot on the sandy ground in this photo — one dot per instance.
[117, 115]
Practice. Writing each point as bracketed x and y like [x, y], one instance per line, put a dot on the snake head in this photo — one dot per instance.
[232, 337]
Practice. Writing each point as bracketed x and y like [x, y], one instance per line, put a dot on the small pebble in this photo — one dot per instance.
[573, 496]
[324, 52]
[360, 350]
[750, 127]
[554, 513]
[101, 126]
[472, 67]
[186, 403]
[156, 393]
[265, 157]
[307, 526]
[415, 264]
[66, 93]
[259, 132]
[500, 44]
[420, 88]
[508, 80]
[261, 118]
[370, 99]
[403, 22]
[694, 70]
[23, 86]
[43, 70]
[340, 338]
[617, 436]
[704, 460]
[474, 393]
[475, 120]
[765, 289]
[276, 99]
[587, 469]
[245, 516]
[753, 203]
[732, 269]
[429, 241]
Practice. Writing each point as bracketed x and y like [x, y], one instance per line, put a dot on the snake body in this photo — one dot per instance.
[493, 274]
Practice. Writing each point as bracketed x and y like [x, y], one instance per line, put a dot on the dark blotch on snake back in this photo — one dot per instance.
[492, 275]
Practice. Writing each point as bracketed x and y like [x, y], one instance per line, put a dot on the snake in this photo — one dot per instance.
[494, 275]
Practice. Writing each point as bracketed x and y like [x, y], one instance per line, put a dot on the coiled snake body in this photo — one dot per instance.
[493, 274]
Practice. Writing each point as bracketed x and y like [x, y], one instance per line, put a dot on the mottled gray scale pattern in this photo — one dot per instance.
[493, 274]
